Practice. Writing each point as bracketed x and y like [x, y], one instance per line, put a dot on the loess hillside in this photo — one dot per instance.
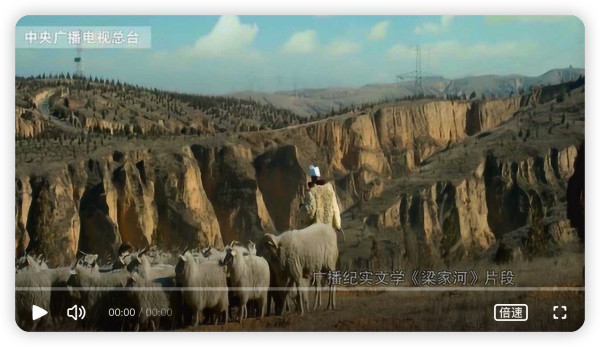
[55, 106]
[424, 182]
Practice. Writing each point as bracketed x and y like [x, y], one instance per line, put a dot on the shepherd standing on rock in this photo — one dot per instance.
[320, 204]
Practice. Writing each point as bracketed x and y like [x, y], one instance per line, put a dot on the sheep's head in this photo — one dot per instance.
[185, 261]
[25, 262]
[206, 252]
[179, 267]
[235, 243]
[135, 261]
[123, 260]
[251, 248]
[230, 255]
[124, 248]
[134, 264]
[185, 268]
[271, 243]
[87, 261]
[42, 262]
[153, 252]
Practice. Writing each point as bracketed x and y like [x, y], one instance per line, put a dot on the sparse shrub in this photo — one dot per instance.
[536, 243]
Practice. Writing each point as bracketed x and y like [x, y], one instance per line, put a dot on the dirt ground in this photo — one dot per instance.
[560, 278]
[424, 311]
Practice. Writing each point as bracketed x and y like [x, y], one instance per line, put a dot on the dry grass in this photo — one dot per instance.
[447, 310]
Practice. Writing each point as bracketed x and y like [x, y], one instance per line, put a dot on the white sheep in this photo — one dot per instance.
[35, 282]
[141, 264]
[296, 255]
[28, 263]
[147, 298]
[250, 279]
[94, 290]
[195, 278]
[43, 264]
[32, 289]
[123, 256]
[251, 248]
[211, 253]
[146, 281]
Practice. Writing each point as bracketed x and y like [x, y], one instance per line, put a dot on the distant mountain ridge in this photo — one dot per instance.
[308, 102]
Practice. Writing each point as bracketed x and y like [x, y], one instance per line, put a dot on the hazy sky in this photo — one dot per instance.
[214, 55]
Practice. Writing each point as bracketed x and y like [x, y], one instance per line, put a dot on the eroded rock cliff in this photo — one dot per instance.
[417, 174]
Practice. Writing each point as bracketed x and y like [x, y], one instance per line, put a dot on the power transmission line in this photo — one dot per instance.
[416, 75]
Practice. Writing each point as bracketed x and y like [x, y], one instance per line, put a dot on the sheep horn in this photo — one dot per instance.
[270, 239]
[82, 252]
[234, 242]
[74, 265]
[185, 249]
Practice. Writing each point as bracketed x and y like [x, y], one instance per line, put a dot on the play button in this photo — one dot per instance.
[37, 312]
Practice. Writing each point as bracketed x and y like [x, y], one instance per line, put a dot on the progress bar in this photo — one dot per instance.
[339, 289]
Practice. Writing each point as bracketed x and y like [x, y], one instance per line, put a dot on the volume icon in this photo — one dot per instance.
[76, 312]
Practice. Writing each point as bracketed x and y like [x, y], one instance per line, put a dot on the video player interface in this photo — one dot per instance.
[299, 173]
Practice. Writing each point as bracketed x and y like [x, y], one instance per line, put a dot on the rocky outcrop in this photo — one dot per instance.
[487, 114]
[561, 233]
[98, 210]
[231, 185]
[359, 185]
[446, 221]
[282, 182]
[28, 123]
[238, 186]
[350, 143]
[132, 197]
[105, 126]
[518, 245]
[136, 210]
[53, 222]
[143, 126]
[544, 94]
[514, 188]
[22, 204]
[185, 214]
[409, 134]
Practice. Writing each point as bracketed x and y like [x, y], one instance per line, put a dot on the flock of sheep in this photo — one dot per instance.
[153, 290]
